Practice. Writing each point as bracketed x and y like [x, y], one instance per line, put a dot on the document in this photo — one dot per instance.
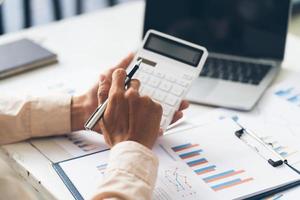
[205, 162]
[275, 120]
[69, 146]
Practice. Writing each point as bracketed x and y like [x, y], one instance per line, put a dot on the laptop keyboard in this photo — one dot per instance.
[236, 71]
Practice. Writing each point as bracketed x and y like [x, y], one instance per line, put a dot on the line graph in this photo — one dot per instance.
[174, 179]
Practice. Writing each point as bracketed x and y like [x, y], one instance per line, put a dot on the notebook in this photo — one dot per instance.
[203, 162]
[23, 55]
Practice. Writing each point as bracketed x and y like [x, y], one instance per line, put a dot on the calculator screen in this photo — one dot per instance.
[173, 49]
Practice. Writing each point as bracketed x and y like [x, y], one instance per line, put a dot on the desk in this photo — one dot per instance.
[86, 45]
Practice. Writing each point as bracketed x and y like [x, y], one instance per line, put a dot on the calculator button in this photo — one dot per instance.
[187, 77]
[147, 91]
[147, 69]
[170, 78]
[171, 100]
[166, 86]
[154, 82]
[158, 74]
[143, 77]
[182, 83]
[159, 96]
[167, 110]
[177, 90]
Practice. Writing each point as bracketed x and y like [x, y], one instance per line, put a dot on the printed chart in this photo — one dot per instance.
[173, 179]
[82, 142]
[291, 94]
[287, 152]
[101, 168]
[217, 178]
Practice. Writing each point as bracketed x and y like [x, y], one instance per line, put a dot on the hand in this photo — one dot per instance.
[129, 116]
[105, 84]
[83, 106]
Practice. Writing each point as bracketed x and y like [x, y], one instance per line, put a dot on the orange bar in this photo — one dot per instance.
[225, 176]
[234, 184]
[200, 163]
[194, 145]
[206, 171]
[190, 156]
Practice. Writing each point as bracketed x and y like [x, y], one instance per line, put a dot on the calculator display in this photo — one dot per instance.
[173, 49]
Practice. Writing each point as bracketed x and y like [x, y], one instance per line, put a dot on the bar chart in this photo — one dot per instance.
[84, 143]
[287, 152]
[216, 177]
[101, 168]
[291, 94]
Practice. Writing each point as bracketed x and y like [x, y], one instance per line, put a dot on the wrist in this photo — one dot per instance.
[79, 112]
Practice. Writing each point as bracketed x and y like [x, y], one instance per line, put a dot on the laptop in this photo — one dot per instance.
[245, 38]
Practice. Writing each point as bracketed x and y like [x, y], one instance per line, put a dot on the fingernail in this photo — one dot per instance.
[102, 78]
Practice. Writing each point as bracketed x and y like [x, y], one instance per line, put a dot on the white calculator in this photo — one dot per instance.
[169, 66]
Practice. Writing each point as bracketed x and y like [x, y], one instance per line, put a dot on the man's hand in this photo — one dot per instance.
[128, 115]
[83, 106]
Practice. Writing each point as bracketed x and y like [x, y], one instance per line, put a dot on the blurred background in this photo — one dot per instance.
[19, 14]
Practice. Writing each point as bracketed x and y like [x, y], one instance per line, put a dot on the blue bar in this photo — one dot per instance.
[282, 93]
[190, 153]
[218, 175]
[283, 153]
[103, 166]
[278, 148]
[205, 168]
[176, 148]
[226, 183]
[196, 161]
[294, 99]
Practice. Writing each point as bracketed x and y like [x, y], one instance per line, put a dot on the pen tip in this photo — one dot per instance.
[139, 61]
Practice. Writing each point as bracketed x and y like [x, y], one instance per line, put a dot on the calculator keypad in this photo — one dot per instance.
[163, 88]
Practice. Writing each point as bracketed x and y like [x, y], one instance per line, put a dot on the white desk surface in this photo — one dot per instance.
[87, 45]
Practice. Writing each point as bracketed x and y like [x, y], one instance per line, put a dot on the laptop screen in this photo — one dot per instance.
[248, 28]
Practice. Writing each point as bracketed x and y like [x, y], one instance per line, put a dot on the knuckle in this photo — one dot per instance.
[147, 100]
[120, 72]
[103, 93]
[135, 81]
[117, 96]
[110, 71]
[131, 93]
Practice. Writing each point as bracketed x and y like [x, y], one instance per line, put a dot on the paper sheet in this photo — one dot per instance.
[70, 146]
[198, 163]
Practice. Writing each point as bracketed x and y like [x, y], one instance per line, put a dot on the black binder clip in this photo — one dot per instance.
[241, 132]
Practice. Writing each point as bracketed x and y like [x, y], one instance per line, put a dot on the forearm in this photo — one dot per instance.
[23, 118]
[131, 173]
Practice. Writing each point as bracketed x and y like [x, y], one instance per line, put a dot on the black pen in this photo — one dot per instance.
[97, 115]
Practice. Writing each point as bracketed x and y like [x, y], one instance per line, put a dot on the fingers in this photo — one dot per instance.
[103, 90]
[106, 78]
[118, 81]
[134, 84]
[178, 115]
[184, 105]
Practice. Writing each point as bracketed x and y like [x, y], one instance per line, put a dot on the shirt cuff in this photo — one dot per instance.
[50, 115]
[135, 159]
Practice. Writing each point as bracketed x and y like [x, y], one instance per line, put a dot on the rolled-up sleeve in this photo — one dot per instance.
[131, 173]
[27, 117]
